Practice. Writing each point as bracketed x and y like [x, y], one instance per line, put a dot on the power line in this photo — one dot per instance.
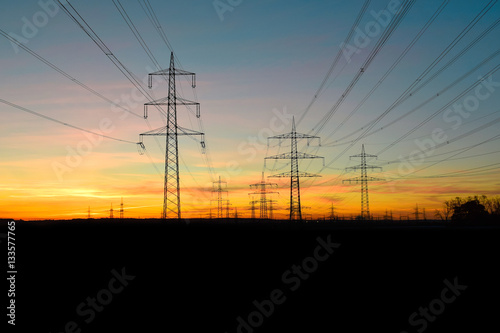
[60, 71]
[336, 60]
[408, 91]
[393, 66]
[61, 122]
[395, 21]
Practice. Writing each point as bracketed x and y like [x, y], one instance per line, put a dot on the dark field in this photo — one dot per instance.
[202, 275]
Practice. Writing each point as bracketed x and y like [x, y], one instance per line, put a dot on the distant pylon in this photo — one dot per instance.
[171, 189]
[252, 208]
[121, 210]
[417, 213]
[111, 212]
[227, 209]
[294, 174]
[271, 209]
[364, 179]
[220, 206]
[332, 213]
[235, 213]
[262, 190]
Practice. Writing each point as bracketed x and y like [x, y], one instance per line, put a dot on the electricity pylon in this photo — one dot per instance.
[252, 208]
[262, 190]
[121, 210]
[364, 179]
[417, 213]
[271, 209]
[171, 189]
[294, 174]
[218, 189]
[111, 212]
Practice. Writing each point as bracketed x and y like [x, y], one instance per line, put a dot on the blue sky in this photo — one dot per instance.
[263, 58]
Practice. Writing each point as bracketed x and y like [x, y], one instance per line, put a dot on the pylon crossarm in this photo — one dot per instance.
[187, 131]
[294, 135]
[358, 167]
[158, 131]
[352, 180]
[287, 156]
[178, 100]
[363, 155]
[176, 71]
[373, 179]
[289, 174]
[162, 131]
[172, 72]
[164, 101]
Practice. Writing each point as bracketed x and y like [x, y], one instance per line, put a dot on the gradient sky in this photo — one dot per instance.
[264, 58]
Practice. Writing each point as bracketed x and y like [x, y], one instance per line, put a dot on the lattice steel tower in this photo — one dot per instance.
[262, 190]
[171, 190]
[220, 206]
[294, 174]
[121, 210]
[364, 179]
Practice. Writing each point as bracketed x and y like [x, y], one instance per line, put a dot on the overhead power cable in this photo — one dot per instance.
[63, 73]
[61, 122]
[337, 58]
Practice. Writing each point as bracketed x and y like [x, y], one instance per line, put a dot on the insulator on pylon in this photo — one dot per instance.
[193, 82]
[141, 148]
[150, 81]
[197, 110]
[145, 111]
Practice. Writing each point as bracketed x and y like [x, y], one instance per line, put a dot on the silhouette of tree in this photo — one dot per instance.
[445, 213]
[469, 209]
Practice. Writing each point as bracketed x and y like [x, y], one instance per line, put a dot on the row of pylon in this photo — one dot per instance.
[171, 198]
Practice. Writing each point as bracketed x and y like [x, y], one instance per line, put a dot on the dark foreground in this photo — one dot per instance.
[152, 276]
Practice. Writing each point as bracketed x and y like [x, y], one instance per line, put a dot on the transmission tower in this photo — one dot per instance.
[417, 213]
[332, 213]
[121, 210]
[252, 208]
[217, 188]
[171, 190]
[111, 212]
[271, 209]
[294, 174]
[261, 189]
[364, 179]
[227, 209]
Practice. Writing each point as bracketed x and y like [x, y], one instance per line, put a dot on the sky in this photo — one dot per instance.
[257, 64]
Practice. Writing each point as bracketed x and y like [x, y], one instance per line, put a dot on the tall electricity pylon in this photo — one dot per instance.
[220, 206]
[364, 179]
[294, 174]
[171, 189]
[262, 190]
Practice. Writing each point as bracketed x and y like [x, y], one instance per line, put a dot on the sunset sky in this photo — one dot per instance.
[257, 64]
